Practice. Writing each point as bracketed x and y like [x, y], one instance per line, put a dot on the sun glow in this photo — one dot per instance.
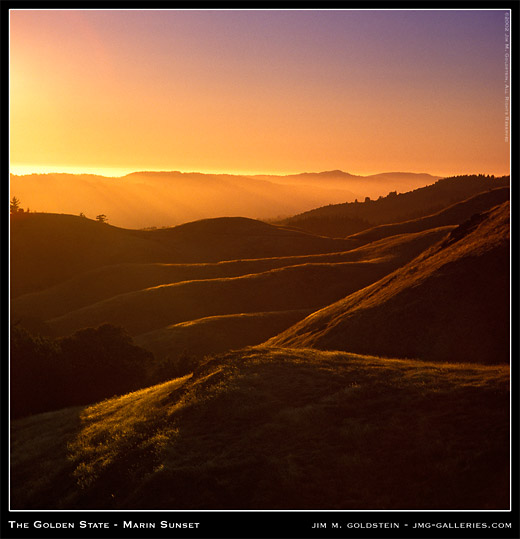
[112, 92]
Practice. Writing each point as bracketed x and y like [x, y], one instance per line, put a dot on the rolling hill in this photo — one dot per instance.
[104, 282]
[304, 286]
[452, 215]
[451, 303]
[217, 334]
[275, 428]
[62, 246]
[373, 186]
[301, 286]
[340, 220]
[233, 238]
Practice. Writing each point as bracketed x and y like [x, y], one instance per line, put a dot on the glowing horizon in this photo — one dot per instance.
[257, 92]
[112, 172]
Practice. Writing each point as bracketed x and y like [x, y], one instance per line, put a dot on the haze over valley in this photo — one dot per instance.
[147, 199]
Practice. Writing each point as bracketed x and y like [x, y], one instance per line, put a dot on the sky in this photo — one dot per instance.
[267, 91]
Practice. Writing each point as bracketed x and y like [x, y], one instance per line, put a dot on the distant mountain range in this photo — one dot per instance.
[145, 199]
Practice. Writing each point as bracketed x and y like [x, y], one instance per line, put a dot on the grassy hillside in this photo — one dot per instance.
[303, 286]
[62, 246]
[452, 215]
[296, 287]
[274, 428]
[340, 220]
[232, 238]
[449, 304]
[47, 249]
[108, 281]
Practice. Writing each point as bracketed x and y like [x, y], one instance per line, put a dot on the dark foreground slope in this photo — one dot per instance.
[278, 429]
[451, 303]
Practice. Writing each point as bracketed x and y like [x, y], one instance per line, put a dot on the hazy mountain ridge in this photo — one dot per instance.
[144, 199]
[373, 185]
[169, 198]
[340, 220]
[452, 215]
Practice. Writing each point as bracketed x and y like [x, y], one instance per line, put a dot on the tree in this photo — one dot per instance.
[102, 218]
[15, 205]
[101, 362]
[87, 366]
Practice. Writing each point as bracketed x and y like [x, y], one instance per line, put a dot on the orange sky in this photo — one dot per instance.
[257, 92]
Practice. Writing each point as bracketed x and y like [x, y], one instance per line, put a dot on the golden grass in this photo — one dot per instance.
[44, 447]
[109, 428]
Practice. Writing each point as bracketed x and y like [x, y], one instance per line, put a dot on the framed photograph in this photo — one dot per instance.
[260, 271]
